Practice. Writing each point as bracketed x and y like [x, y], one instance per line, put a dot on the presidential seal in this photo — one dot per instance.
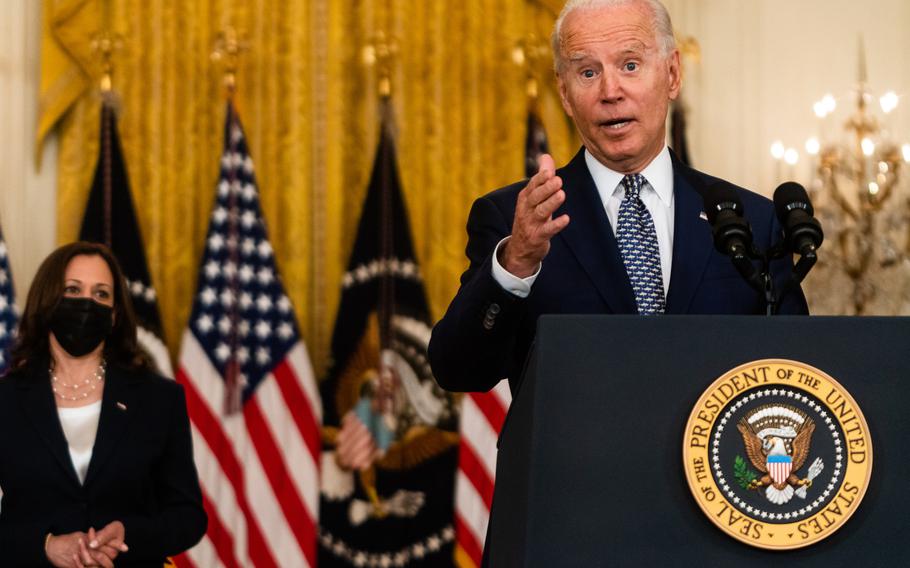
[777, 454]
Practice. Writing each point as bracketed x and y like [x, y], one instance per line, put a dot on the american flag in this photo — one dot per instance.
[482, 415]
[8, 314]
[251, 394]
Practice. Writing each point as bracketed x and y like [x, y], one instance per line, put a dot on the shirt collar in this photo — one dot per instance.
[659, 174]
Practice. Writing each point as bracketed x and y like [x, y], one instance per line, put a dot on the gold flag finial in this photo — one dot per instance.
[689, 53]
[228, 46]
[689, 49]
[381, 53]
[533, 54]
[103, 45]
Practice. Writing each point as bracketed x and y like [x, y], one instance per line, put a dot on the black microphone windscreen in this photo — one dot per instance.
[789, 195]
[718, 197]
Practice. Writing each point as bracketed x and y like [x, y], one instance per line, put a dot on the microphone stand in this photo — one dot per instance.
[760, 280]
[802, 267]
[770, 299]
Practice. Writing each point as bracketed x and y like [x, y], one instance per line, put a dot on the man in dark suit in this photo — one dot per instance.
[620, 229]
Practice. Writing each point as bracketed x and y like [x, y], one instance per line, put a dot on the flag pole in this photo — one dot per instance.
[381, 54]
[228, 47]
[104, 44]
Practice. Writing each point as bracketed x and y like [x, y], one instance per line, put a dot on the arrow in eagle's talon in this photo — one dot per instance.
[817, 466]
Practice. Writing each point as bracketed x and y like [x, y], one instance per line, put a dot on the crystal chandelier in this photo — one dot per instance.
[860, 193]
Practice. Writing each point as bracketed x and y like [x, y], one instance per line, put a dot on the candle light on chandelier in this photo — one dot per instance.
[791, 156]
[813, 146]
[868, 146]
[778, 150]
[888, 101]
[825, 106]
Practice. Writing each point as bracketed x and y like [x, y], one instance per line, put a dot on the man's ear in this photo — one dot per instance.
[675, 72]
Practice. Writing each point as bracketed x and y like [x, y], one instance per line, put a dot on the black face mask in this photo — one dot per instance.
[81, 324]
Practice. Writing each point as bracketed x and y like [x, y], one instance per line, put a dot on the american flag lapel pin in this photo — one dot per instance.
[121, 406]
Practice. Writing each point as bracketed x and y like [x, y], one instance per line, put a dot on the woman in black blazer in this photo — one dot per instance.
[96, 461]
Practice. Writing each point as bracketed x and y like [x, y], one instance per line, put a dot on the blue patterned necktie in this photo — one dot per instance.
[638, 245]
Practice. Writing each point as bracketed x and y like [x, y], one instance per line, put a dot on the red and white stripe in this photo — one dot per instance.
[258, 468]
[482, 415]
[779, 471]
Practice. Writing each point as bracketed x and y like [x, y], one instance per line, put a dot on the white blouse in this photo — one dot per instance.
[80, 425]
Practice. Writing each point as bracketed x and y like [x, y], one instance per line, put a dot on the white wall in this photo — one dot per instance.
[27, 196]
[765, 62]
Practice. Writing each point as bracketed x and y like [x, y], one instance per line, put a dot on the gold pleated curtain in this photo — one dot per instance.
[309, 108]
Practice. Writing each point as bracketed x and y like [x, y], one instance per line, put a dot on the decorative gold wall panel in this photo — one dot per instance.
[309, 108]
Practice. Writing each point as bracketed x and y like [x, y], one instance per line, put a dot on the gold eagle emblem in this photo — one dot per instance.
[777, 438]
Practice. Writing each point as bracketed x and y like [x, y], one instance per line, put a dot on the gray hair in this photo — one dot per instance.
[663, 27]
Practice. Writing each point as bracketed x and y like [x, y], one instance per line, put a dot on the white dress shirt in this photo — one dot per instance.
[80, 426]
[656, 194]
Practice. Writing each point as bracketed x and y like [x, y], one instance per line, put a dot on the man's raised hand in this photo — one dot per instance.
[534, 225]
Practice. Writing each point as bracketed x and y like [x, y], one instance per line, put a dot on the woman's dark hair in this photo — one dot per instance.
[121, 346]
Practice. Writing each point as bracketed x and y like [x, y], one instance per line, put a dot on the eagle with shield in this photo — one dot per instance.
[777, 439]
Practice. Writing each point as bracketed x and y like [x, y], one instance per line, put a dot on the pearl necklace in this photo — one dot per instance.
[98, 377]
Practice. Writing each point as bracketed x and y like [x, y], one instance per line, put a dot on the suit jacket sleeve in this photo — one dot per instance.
[471, 348]
[180, 520]
[23, 544]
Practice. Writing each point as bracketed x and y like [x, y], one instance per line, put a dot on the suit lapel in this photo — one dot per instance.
[38, 404]
[590, 237]
[118, 406]
[692, 241]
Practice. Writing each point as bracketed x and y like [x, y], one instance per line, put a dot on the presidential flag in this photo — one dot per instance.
[482, 416]
[397, 512]
[535, 142]
[111, 219]
[9, 317]
[252, 399]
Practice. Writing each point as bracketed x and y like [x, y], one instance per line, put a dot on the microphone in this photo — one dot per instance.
[732, 233]
[802, 231]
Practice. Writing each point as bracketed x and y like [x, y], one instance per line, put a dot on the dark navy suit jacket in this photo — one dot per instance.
[141, 472]
[487, 332]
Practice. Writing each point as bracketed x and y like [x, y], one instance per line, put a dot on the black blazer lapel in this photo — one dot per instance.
[118, 406]
[39, 405]
[692, 241]
[590, 237]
